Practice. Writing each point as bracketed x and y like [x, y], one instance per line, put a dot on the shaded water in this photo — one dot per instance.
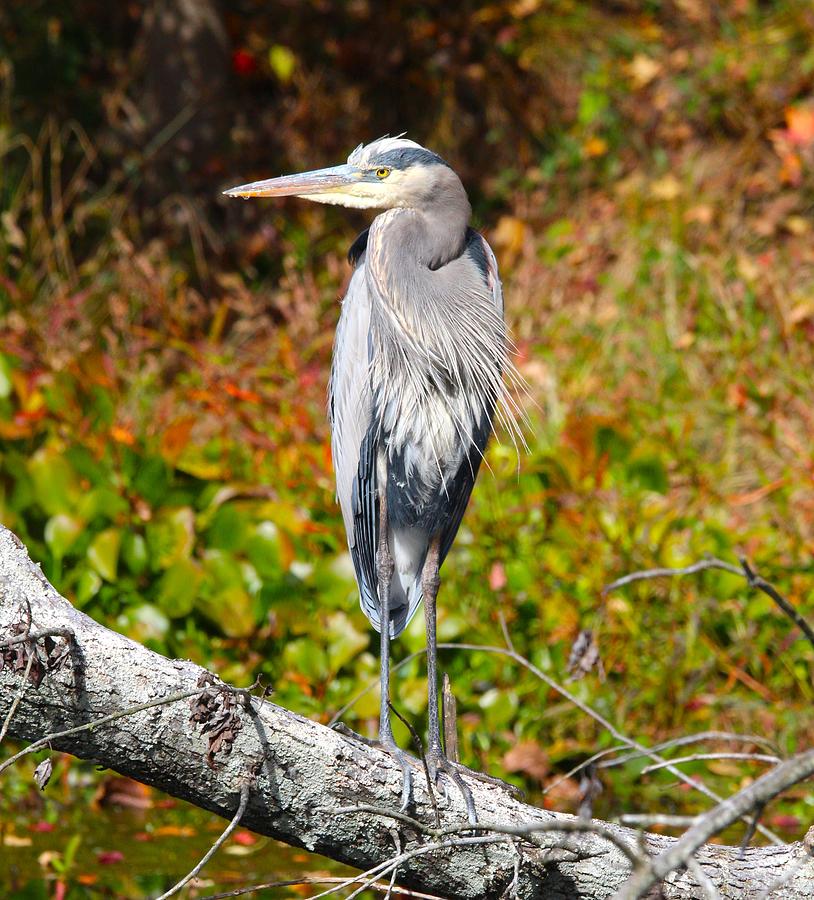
[99, 850]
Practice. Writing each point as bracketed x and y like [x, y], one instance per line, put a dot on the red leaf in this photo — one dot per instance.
[108, 857]
[243, 62]
[497, 577]
[244, 838]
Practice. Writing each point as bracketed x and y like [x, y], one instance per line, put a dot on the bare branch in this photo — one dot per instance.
[752, 578]
[709, 824]
[17, 697]
[332, 879]
[241, 808]
[702, 757]
[647, 820]
[608, 726]
[668, 572]
[307, 767]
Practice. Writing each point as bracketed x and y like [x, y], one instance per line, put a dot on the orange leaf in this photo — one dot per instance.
[800, 121]
[176, 436]
[122, 435]
[241, 393]
[174, 831]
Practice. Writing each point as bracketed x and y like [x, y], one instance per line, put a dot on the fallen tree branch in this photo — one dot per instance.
[110, 703]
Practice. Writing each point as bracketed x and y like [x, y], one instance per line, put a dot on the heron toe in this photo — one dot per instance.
[438, 763]
[404, 760]
[389, 746]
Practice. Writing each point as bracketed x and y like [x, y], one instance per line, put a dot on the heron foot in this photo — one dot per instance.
[342, 728]
[438, 763]
[389, 746]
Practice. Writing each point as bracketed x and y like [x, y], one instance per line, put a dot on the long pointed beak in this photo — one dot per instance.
[320, 181]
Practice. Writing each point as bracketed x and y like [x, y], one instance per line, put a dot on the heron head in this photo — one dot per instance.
[387, 173]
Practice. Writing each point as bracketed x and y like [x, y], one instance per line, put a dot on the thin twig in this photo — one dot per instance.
[18, 696]
[326, 879]
[692, 739]
[761, 584]
[419, 745]
[750, 831]
[648, 820]
[669, 572]
[38, 635]
[528, 830]
[704, 881]
[608, 726]
[701, 757]
[762, 790]
[745, 571]
[394, 834]
[89, 726]
[241, 808]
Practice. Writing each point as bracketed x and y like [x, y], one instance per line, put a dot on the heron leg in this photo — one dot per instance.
[385, 567]
[437, 761]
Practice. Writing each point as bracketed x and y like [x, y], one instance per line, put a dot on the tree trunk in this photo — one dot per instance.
[304, 772]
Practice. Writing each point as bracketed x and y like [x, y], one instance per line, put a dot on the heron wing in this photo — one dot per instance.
[353, 439]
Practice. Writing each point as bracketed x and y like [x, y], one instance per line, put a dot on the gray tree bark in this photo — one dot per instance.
[304, 772]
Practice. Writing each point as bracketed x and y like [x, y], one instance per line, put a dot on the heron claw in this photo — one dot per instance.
[390, 747]
[437, 763]
[403, 759]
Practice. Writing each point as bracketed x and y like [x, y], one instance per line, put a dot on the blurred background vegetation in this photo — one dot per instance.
[645, 172]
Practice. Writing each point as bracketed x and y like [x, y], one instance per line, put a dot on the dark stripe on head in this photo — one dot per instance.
[405, 157]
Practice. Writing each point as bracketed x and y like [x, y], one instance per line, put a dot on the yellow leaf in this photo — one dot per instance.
[509, 236]
[595, 146]
[12, 840]
[282, 62]
[643, 69]
[666, 188]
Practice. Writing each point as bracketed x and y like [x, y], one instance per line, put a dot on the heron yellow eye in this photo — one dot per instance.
[382, 173]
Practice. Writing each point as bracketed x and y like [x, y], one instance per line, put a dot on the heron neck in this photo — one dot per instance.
[439, 228]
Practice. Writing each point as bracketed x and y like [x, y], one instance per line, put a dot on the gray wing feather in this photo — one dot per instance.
[353, 439]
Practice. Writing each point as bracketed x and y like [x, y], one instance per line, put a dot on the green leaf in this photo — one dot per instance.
[61, 532]
[170, 536]
[5, 377]
[103, 553]
[56, 487]
[263, 550]
[87, 587]
[649, 473]
[178, 588]
[145, 623]
[343, 640]
[134, 552]
[230, 608]
[101, 502]
[223, 598]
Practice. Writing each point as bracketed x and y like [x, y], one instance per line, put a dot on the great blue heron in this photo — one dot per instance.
[418, 361]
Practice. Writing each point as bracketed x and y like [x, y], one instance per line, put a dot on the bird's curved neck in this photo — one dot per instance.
[440, 231]
[426, 237]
